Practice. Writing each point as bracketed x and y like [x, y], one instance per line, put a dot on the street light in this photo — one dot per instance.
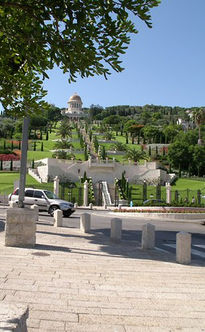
[23, 164]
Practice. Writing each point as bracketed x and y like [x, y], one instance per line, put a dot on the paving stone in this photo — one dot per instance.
[54, 316]
[94, 328]
[47, 325]
[72, 283]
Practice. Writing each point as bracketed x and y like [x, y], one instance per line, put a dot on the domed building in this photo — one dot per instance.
[75, 110]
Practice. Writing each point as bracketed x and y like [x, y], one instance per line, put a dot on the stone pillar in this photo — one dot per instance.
[116, 229]
[20, 230]
[56, 186]
[168, 193]
[119, 206]
[85, 222]
[183, 248]
[36, 209]
[148, 236]
[58, 218]
[85, 196]
[91, 206]
[13, 204]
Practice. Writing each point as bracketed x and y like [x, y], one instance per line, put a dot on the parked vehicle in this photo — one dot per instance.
[46, 201]
[154, 202]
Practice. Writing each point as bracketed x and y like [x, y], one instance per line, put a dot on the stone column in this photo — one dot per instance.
[116, 229]
[13, 204]
[183, 248]
[148, 236]
[20, 230]
[85, 223]
[56, 186]
[85, 196]
[36, 209]
[168, 193]
[89, 161]
[58, 218]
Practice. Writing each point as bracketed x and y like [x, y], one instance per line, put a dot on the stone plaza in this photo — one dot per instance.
[76, 279]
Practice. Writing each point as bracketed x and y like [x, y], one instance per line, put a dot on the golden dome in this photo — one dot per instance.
[75, 97]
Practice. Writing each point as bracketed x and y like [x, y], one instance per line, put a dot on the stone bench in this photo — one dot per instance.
[13, 317]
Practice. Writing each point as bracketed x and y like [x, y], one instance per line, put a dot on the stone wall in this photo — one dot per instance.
[98, 171]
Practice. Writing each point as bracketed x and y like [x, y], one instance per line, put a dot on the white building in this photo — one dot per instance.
[74, 109]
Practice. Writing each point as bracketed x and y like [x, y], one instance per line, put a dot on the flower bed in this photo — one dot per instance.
[9, 157]
[161, 210]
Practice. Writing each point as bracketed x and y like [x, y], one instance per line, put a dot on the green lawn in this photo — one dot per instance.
[183, 184]
[7, 180]
[36, 155]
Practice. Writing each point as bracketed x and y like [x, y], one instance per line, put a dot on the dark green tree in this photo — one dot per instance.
[11, 165]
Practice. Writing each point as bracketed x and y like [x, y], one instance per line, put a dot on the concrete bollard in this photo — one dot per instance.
[116, 229]
[91, 206]
[85, 222]
[58, 218]
[148, 236]
[105, 207]
[119, 206]
[36, 209]
[76, 205]
[183, 248]
[13, 204]
[20, 229]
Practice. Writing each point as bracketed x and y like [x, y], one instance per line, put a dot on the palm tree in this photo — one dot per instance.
[119, 146]
[63, 144]
[65, 129]
[108, 135]
[135, 155]
[199, 117]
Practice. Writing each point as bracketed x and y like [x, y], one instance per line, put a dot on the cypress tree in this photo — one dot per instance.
[11, 165]
[156, 150]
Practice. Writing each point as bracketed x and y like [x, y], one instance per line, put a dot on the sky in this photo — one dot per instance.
[164, 65]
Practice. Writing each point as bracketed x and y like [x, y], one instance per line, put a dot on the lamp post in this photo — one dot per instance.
[23, 164]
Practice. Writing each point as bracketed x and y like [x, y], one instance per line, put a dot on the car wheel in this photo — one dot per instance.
[67, 213]
[52, 209]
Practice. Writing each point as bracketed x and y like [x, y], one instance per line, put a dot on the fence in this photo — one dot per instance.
[71, 193]
[140, 193]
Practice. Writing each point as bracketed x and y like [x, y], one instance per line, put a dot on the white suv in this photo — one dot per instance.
[46, 201]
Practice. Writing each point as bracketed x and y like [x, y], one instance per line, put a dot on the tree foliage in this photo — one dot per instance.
[65, 129]
[135, 155]
[81, 37]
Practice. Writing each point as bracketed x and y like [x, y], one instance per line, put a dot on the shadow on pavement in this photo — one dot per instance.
[2, 225]
[130, 245]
